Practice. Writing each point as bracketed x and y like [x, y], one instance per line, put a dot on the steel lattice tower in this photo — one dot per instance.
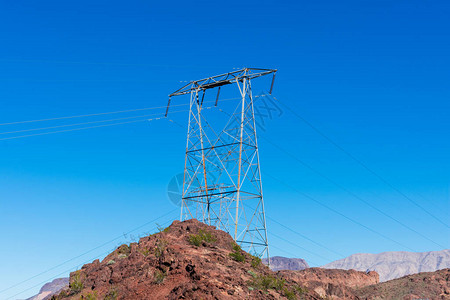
[222, 177]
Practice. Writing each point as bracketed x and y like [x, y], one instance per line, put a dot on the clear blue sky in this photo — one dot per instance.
[372, 75]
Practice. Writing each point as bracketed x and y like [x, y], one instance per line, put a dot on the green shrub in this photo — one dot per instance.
[254, 275]
[256, 261]
[237, 253]
[90, 296]
[76, 285]
[266, 282]
[162, 228]
[111, 295]
[160, 247]
[124, 250]
[300, 290]
[145, 252]
[289, 294]
[195, 239]
[202, 236]
[159, 276]
[111, 262]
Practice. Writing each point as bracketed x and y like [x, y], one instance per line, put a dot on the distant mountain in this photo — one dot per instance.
[278, 263]
[51, 288]
[391, 265]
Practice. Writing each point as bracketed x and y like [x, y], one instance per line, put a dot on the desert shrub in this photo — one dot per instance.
[160, 247]
[124, 251]
[266, 282]
[159, 276]
[76, 285]
[90, 296]
[63, 294]
[300, 290]
[162, 228]
[278, 284]
[237, 253]
[195, 239]
[202, 236]
[111, 262]
[111, 295]
[145, 252]
[289, 294]
[254, 275]
[256, 261]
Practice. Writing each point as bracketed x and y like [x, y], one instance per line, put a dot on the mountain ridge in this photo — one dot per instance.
[394, 264]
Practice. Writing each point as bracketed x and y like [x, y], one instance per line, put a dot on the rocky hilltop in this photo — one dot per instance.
[391, 265]
[188, 260]
[191, 260]
[278, 263]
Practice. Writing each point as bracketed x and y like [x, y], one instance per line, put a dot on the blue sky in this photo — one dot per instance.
[371, 75]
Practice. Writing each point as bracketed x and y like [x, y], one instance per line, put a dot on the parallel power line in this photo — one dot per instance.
[339, 213]
[361, 163]
[353, 194]
[87, 252]
[105, 113]
[76, 129]
[335, 211]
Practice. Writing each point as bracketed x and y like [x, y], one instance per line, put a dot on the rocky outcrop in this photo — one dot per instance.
[188, 260]
[391, 265]
[51, 288]
[278, 263]
[334, 284]
[428, 285]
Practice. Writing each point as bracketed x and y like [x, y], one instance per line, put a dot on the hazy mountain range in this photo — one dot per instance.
[51, 288]
[283, 263]
[391, 265]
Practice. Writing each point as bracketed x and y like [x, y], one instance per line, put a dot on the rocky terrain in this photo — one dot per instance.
[278, 263]
[191, 260]
[334, 284]
[391, 265]
[428, 285]
[51, 288]
[188, 260]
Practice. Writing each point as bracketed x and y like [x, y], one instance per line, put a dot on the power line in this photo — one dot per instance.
[76, 129]
[352, 194]
[87, 252]
[108, 113]
[68, 270]
[305, 237]
[56, 276]
[293, 255]
[88, 115]
[339, 213]
[361, 163]
[300, 247]
[335, 211]
[84, 123]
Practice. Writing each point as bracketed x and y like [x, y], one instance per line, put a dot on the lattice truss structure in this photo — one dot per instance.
[222, 178]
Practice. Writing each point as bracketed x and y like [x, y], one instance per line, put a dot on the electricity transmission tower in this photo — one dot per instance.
[222, 178]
